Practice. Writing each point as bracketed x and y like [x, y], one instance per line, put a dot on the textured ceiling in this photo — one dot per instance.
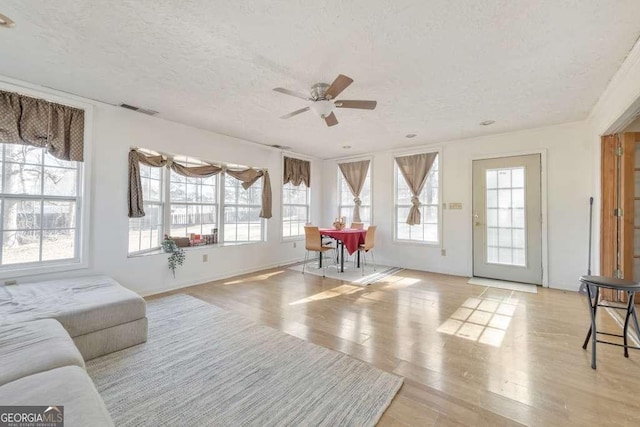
[436, 67]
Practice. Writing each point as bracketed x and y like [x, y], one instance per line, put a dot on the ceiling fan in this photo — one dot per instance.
[322, 100]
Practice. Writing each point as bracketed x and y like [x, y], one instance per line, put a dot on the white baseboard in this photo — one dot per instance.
[214, 278]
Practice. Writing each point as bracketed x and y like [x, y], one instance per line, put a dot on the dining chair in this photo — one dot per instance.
[357, 225]
[367, 246]
[326, 241]
[313, 243]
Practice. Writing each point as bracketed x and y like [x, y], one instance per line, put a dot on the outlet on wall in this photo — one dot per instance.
[443, 252]
[295, 244]
[205, 258]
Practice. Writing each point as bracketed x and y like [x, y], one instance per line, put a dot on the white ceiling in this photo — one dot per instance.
[436, 67]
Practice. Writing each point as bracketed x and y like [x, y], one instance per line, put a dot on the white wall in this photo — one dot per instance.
[114, 131]
[570, 176]
[634, 126]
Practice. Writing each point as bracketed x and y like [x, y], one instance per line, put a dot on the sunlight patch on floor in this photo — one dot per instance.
[400, 283]
[331, 293]
[481, 319]
[263, 276]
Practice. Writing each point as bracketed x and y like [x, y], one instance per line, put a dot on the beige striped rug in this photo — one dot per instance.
[203, 365]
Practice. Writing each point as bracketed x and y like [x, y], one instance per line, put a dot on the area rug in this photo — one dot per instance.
[203, 365]
[351, 274]
[502, 284]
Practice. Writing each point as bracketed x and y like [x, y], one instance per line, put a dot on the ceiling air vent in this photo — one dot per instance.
[139, 110]
[281, 147]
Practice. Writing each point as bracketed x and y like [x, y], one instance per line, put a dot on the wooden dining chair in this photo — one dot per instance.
[313, 243]
[367, 247]
[357, 225]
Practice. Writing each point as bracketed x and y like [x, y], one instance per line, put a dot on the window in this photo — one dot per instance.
[427, 230]
[295, 209]
[194, 206]
[180, 206]
[346, 205]
[146, 233]
[242, 222]
[40, 207]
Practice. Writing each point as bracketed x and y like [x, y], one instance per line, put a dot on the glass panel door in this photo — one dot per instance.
[507, 218]
[506, 223]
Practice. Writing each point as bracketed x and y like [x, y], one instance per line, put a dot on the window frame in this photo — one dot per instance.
[219, 203]
[83, 197]
[163, 209]
[299, 237]
[307, 206]
[189, 161]
[341, 177]
[223, 204]
[439, 204]
[42, 198]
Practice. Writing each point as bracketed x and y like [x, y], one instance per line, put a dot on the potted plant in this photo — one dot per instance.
[177, 254]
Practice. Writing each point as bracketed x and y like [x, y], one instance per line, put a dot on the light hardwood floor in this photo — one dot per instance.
[470, 355]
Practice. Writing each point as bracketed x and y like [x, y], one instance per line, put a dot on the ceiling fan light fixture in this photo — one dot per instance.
[322, 108]
[322, 100]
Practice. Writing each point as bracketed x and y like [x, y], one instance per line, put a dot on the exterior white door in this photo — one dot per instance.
[507, 219]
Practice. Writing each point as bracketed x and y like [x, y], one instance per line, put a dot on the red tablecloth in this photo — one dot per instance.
[351, 238]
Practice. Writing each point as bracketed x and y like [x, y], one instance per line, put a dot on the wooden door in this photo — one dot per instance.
[619, 228]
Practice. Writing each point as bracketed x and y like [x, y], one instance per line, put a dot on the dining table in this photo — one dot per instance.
[349, 238]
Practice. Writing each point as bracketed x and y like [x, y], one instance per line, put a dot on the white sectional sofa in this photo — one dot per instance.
[98, 313]
[47, 331]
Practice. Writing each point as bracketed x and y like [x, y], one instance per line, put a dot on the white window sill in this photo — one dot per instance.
[293, 239]
[192, 248]
[44, 268]
[416, 243]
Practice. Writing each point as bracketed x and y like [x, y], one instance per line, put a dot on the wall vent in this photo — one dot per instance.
[139, 110]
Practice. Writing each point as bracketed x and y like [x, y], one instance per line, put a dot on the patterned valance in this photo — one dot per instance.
[36, 122]
[297, 171]
[247, 176]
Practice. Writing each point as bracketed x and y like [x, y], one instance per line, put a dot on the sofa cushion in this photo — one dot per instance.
[70, 387]
[31, 347]
[81, 304]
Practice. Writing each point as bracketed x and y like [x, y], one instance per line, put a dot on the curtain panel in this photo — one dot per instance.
[39, 123]
[355, 174]
[415, 170]
[247, 176]
[297, 171]
[134, 193]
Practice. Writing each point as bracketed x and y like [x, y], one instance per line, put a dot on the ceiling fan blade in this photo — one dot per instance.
[292, 93]
[295, 113]
[363, 105]
[331, 119]
[339, 84]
